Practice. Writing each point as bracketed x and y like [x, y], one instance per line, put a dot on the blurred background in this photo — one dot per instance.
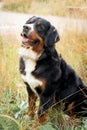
[70, 19]
[48, 7]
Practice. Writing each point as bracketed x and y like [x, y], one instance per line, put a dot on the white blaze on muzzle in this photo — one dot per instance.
[30, 26]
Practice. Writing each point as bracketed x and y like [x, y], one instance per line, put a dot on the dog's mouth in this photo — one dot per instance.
[25, 39]
[27, 42]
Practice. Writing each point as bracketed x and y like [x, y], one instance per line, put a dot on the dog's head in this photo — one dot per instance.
[38, 33]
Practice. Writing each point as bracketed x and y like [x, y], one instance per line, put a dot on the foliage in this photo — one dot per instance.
[13, 97]
[18, 6]
[73, 47]
[52, 7]
[8, 123]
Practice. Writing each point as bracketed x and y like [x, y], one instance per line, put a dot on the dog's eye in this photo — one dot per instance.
[39, 27]
[37, 42]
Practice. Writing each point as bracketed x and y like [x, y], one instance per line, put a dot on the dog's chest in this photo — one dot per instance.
[28, 77]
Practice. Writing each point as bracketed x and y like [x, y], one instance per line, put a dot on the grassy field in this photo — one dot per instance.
[13, 97]
[72, 47]
[46, 7]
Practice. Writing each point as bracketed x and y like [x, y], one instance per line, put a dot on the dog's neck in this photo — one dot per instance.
[28, 54]
[49, 53]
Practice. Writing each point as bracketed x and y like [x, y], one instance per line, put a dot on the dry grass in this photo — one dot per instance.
[73, 47]
[8, 62]
[47, 7]
[17, 5]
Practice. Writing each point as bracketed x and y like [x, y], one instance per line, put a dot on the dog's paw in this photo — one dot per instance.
[43, 118]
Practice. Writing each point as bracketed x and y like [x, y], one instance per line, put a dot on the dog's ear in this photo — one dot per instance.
[52, 37]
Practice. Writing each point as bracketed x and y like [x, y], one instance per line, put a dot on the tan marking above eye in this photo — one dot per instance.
[38, 23]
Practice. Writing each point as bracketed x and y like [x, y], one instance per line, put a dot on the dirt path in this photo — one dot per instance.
[14, 21]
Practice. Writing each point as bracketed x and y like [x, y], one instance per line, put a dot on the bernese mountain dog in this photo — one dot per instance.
[46, 74]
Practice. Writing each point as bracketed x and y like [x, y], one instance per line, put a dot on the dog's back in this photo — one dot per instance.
[73, 91]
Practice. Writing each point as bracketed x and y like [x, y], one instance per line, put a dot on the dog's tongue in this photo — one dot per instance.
[24, 39]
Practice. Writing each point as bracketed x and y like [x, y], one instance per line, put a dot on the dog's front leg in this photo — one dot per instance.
[31, 102]
[45, 103]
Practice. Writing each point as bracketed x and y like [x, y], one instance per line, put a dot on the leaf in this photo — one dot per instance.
[23, 105]
[8, 123]
[48, 126]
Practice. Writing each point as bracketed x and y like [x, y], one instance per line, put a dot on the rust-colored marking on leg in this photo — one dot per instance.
[32, 105]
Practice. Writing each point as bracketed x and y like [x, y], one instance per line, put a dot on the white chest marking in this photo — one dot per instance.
[28, 54]
[30, 64]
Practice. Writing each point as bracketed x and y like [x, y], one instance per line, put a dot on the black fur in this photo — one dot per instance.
[22, 66]
[61, 82]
